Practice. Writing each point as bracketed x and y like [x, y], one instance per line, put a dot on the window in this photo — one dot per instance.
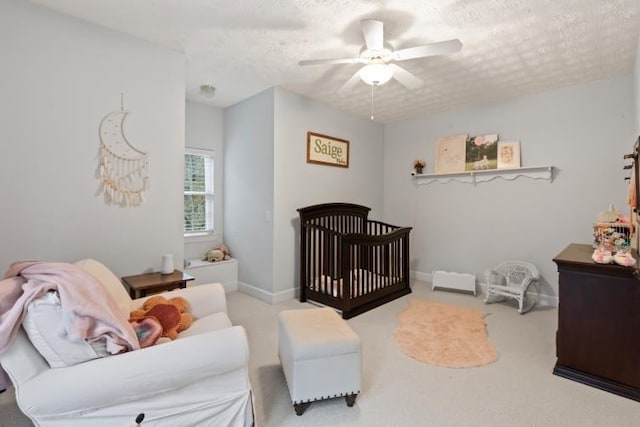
[198, 192]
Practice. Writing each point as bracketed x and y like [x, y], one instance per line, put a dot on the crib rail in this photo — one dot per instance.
[378, 264]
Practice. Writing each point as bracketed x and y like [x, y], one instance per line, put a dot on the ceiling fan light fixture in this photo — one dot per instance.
[376, 74]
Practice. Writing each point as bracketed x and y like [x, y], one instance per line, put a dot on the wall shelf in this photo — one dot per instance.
[474, 177]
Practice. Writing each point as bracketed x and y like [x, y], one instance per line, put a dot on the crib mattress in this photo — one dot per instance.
[362, 282]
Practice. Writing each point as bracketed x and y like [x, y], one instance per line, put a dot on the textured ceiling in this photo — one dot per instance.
[510, 47]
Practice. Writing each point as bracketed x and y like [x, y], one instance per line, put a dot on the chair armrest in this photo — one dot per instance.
[137, 374]
[493, 277]
[203, 299]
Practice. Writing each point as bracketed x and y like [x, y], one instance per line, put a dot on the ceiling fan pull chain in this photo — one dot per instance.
[372, 86]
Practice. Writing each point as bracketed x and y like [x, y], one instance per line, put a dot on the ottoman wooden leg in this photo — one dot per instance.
[351, 399]
[300, 407]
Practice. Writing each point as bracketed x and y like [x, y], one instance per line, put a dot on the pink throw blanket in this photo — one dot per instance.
[90, 311]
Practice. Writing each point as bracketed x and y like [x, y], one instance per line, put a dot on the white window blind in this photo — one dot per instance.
[198, 192]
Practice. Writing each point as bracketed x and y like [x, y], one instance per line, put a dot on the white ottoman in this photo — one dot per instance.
[320, 356]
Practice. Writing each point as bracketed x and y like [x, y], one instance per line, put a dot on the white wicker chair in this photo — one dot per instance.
[511, 279]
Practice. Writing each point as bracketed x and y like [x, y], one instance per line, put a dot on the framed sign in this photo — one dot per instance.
[327, 150]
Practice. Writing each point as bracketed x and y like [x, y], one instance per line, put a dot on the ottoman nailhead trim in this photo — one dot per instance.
[323, 397]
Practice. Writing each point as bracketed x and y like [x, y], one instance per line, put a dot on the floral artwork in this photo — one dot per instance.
[481, 152]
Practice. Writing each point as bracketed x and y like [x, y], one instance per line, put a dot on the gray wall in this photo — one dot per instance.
[204, 131]
[582, 131]
[267, 178]
[248, 188]
[298, 183]
[60, 77]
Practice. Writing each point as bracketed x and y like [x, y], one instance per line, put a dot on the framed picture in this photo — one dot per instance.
[450, 153]
[481, 152]
[327, 150]
[508, 154]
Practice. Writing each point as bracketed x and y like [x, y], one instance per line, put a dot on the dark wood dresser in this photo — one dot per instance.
[598, 337]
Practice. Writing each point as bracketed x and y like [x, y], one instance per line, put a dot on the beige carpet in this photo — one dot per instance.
[444, 335]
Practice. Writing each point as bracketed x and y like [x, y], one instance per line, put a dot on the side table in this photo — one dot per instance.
[140, 284]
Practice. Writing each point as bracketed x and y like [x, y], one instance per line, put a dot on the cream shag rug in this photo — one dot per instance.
[444, 335]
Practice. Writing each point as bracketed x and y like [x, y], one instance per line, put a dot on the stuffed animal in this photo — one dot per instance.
[218, 254]
[602, 256]
[624, 258]
[171, 313]
[147, 329]
[215, 255]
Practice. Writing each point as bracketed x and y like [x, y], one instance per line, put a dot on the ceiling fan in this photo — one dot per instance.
[379, 57]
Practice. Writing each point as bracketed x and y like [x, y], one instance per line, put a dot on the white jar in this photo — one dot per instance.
[167, 264]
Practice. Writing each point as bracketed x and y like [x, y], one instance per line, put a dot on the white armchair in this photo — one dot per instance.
[510, 279]
[199, 379]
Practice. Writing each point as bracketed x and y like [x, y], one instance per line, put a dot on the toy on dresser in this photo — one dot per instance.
[612, 233]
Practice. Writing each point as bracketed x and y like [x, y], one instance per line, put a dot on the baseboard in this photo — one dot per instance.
[419, 275]
[542, 300]
[545, 300]
[268, 297]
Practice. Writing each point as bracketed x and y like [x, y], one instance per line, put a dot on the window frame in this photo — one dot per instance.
[209, 193]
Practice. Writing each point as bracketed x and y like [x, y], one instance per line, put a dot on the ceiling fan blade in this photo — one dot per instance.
[433, 49]
[353, 80]
[405, 78]
[330, 61]
[373, 31]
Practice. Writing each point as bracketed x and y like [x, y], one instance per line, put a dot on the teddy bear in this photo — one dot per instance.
[172, 314]
[218, 254]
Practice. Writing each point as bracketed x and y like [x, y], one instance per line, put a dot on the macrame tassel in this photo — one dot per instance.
[123, 179]
[123, 168]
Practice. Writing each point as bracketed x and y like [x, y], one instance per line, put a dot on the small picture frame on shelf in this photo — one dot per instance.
[508, 154]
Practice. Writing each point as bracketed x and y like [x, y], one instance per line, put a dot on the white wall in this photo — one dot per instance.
[204, 130]
[60, 77]
[248, 189]
[299, 184]
[583, 131]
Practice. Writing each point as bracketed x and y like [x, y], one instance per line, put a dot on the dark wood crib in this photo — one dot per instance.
[349, 262]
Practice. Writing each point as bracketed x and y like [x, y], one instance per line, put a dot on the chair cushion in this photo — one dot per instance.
[209, 323]
[44, 325]
[110, 281]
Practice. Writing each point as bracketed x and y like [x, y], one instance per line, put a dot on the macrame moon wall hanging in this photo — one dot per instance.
[123, 168]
